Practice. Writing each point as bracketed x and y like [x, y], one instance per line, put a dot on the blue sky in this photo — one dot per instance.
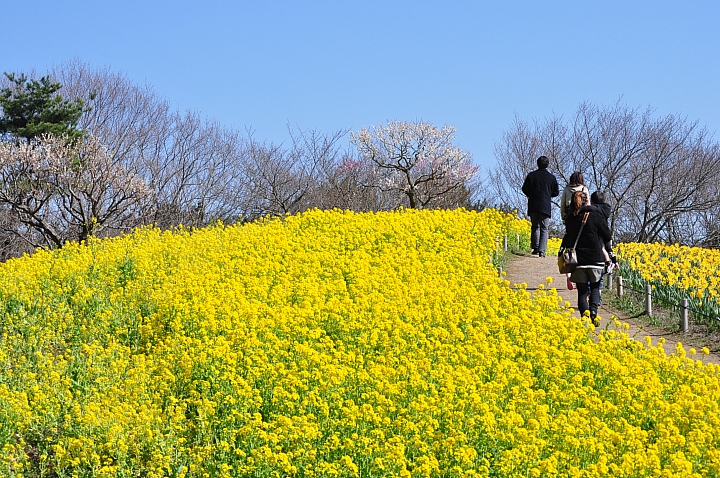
[330, 65]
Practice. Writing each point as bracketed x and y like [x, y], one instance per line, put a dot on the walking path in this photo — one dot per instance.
[533, 271]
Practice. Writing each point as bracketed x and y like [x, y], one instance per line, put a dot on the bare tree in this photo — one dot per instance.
[281, 181]
[340, 178]
[517, 154]
[677, 169]
[416, 160]
[131, 120]
[196, 173]
[707, 224]
[193, 166]
[607, 146]
[319, 155]
[658, 173]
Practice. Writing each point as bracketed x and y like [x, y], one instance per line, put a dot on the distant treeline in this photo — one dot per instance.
[86, 152]
[660, 174]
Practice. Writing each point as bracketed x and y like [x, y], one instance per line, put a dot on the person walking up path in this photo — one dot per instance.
[576, 183]
[540, 186]
[533, 271]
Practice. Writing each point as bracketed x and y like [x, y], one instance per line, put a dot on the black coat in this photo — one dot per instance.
[595, 235]
[539, 187]
[604, 209]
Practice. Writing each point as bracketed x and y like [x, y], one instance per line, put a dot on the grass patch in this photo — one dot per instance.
[666, 319]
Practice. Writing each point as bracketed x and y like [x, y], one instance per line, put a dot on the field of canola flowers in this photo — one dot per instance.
[675, 273]
[329, 344]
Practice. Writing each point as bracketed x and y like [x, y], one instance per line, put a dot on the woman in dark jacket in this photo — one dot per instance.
[591, 259]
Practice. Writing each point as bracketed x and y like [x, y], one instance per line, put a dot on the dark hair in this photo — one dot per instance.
[598, 197]
[576, 179]
[579, 199]
[543, 162]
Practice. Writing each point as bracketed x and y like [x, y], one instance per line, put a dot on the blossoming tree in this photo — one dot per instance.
[416, 160]
[56, 191]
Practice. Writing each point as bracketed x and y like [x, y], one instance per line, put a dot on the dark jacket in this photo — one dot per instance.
[604, 209]
[539, 187]
[595, 235]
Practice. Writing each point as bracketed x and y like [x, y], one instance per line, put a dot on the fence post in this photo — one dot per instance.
[499, 271]
[684, 316]
[620, 286]
[648, 299]
[505, 243]
[518, 238]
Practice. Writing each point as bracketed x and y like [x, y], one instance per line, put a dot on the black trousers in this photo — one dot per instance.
[594, 289]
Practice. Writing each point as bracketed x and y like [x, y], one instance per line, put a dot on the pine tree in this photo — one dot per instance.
[31, 108]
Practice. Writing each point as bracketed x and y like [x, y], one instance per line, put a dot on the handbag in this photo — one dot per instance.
[567, 261]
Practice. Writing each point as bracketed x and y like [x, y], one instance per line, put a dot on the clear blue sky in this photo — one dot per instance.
[330, 65]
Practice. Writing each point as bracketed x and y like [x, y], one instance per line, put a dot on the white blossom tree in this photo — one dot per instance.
[56, 191]
[417, 161]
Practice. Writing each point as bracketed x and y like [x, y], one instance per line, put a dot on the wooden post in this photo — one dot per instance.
[620, 290]
[648, 299]
[505, 243]
[684, 316]
[500, 272]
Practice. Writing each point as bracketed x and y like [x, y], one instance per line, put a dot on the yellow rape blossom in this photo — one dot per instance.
[328, 344]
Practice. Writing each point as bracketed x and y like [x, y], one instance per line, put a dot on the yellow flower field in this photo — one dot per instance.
[553, 246]
[329, 344]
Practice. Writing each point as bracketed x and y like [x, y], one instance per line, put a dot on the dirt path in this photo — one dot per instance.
[533, 270]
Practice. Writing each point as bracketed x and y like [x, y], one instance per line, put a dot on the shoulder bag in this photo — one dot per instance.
[567, 261]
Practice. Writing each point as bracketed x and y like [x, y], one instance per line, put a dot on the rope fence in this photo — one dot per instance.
[501, 244]
[683, 307]
[493, 256]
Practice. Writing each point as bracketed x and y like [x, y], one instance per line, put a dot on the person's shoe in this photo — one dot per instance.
[535, 252]
[570, 285]
[594, 319]
[541, 254]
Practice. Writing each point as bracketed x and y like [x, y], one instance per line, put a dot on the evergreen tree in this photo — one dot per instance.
[31, 108]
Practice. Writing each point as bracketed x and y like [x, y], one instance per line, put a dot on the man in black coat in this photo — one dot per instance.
[540, 187]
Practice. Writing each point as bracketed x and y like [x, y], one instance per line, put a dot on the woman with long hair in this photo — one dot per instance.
[576, 183]
[592, 238]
